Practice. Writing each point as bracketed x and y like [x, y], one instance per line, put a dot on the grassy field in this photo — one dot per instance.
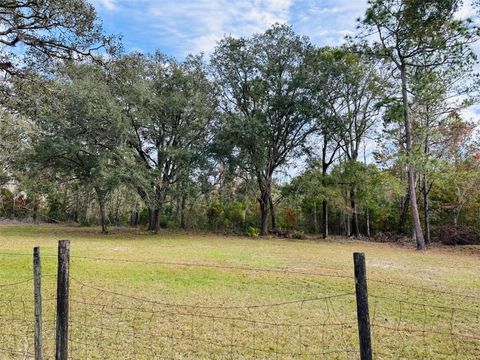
[184, 296]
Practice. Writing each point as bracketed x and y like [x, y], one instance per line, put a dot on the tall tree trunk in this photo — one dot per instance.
[404, 213]
[150, 219]
[182, 213]
[456, 214]
[102, 218]
[117, 211]
[355, 231]
[367, 211]
[101, 205]
[133, 218]
[265, 186]
[347, 225]
[155, 215]
[348, 220]
[426, 210]
[324, 202]
[272, 214]
[156, 220]
[76, 210]
[426, 190]
[315, 222]
[368, 222]
[35, 212]
[153, 219]
[411, 174]
[264, 214]
[325, 218]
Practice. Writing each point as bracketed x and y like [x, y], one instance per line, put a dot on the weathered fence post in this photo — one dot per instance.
[37, 292]
[362, 306]
[61, 345]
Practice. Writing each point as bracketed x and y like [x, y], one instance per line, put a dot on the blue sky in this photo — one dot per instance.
[179, 27]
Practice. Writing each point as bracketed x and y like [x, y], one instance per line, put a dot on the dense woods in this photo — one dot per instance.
[271, 134]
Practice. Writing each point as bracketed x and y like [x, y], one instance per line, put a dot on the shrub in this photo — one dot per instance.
[237, 214]
[391, 237]
[253, 231]
[6, 203]
[172, 224]
[296, 234]
[456, 235]
[290, 218]
[214, 213]
[144, 217]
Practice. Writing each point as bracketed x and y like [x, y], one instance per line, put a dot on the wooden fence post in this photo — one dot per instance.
[37, 292]
[61, 344]
[362, 306]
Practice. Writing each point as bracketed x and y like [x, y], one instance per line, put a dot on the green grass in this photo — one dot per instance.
[128, 307]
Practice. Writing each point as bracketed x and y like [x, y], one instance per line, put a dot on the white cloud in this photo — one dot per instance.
[107, 4]
[210, 20]
[472, 114]
[327, 22]
[196, 25]
[466, 10]
[179, 27]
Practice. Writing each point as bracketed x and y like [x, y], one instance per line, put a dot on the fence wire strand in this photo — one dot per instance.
[407, 321]
[411, 329]
[205, 331]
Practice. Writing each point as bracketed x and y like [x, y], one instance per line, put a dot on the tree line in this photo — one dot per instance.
[270, 134]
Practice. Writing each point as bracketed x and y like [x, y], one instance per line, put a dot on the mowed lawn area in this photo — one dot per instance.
[205, 296]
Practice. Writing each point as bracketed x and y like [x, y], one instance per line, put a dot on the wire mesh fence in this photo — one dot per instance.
[15, 327]
[107, 321]
[116, 324]
[405, 329]
[17, 318]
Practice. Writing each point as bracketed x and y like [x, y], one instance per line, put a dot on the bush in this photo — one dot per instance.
[6, 203]
[296, 234]
[214, 213]
[143, 220]
[253, 231]
[172, 224]
[391, 237]
[290, 218]
[456, 235]
[237, 214]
